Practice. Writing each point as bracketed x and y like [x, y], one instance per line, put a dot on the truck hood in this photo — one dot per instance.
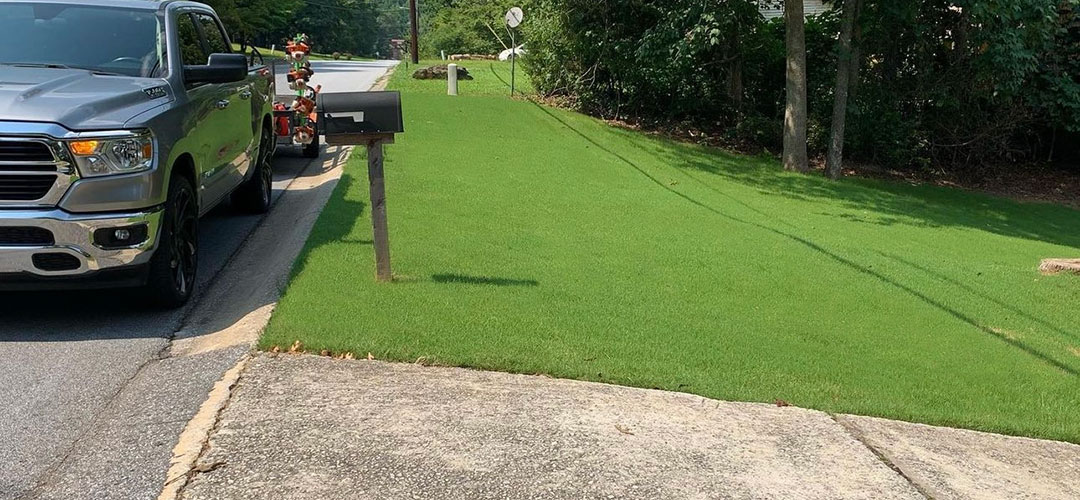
[75, 98]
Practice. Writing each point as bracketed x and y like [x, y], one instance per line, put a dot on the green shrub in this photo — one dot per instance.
[986, 82]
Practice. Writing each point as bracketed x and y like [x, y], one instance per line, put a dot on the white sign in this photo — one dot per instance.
[514, 17]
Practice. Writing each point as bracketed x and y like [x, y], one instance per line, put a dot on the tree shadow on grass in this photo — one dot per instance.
[997, 302]
[335, 223]
[895, 202]
[811, 245]
[464, 279]
[481, 280]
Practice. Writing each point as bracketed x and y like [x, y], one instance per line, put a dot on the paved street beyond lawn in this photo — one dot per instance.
[301, 426]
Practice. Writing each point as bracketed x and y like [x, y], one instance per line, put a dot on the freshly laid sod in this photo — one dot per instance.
[535, 240]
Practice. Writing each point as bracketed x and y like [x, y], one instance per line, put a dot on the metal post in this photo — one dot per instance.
[451, 79]
[378, 211]
[413, 32]
[513, 62]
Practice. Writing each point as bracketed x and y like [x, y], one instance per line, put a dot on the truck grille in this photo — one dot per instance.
[24, 151]
[28, 170]
[25, 187]
[26, 236]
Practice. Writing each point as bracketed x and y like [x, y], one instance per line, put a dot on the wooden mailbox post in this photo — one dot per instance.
[370, 119]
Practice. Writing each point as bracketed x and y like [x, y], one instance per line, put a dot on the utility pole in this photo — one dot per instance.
[413, 33]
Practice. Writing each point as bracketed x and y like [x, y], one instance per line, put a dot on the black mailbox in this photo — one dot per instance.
[371, 119]
[359, 113]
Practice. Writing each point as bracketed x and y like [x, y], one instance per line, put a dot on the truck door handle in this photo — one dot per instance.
[222, 104]
[246, 94]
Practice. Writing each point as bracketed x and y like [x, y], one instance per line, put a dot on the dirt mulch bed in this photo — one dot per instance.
[1037, 183]
[1028, 183]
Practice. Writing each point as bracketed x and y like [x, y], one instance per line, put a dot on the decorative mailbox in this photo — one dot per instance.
[370, 119]
[347, 116]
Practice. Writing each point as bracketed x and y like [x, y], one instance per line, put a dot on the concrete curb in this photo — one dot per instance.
[384, 80]
[196, 435]
[204, 334]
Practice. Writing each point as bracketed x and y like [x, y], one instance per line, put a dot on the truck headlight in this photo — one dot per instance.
[110, 153]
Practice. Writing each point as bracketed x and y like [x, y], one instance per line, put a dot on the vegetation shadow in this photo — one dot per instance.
[335, 223]
[482, 280]
[892, 202]
[491, 66]
[996, 301]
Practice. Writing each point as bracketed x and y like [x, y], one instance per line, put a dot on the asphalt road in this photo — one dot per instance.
[91, 402]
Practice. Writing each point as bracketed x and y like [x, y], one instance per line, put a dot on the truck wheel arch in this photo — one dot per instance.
[268, 124]
[185, 165]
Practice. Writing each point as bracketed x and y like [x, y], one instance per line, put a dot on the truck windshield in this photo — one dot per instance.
[102, 39]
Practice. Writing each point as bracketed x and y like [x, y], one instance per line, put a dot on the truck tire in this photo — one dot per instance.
[171, 278]
[253, 196]
[312, 150]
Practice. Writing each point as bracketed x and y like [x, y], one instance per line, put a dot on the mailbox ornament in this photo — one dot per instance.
[298, 50]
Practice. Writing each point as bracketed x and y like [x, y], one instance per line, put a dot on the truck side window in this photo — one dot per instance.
[191, 51]
[215, 39]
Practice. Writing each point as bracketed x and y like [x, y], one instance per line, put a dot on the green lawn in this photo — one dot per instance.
[491, 79]
[536, 240]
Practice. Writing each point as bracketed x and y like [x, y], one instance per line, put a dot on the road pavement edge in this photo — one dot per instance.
[194, 438]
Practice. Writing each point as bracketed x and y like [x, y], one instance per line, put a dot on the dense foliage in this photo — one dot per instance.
[964, 82]
[465, 26]
[248, 19]
[361, 27]
[365, 27]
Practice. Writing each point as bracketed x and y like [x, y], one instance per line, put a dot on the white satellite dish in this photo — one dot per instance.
[514, 17]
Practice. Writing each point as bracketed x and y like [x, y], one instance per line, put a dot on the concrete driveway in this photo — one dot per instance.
[302, 427]
[92, 392]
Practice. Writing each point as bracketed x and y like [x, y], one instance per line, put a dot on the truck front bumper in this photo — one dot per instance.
[52, 247]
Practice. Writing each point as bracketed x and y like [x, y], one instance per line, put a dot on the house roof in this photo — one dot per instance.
[771, 8]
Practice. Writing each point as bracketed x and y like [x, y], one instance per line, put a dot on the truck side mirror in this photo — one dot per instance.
[220, 68]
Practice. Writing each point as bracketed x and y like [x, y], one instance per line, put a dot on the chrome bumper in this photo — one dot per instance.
[74, 235]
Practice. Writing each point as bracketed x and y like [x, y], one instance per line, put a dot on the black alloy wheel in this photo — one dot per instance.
[254, 195]
[183, 254]
[171, 278]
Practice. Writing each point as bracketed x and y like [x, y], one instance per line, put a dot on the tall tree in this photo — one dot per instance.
[795, 112]
[251, 20]
[847, 68]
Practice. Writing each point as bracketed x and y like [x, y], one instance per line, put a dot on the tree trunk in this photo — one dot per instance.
[735, 85]
[795, 112]
[856, 43]
[735, 76]
[844, 73]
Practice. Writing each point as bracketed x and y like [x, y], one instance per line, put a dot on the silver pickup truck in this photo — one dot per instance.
[121, 123]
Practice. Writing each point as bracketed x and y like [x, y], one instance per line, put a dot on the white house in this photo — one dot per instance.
[773, 8]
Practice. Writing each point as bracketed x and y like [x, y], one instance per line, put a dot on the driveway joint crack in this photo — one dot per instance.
[857, 435]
